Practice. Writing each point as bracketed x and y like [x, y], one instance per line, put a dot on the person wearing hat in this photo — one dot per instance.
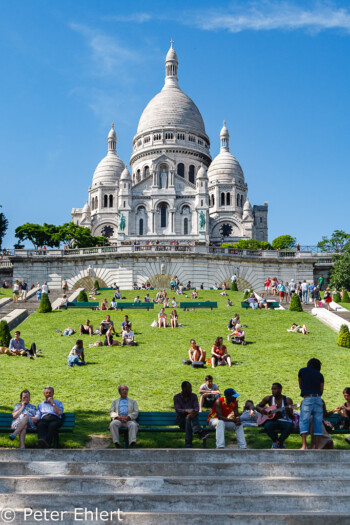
[224, 416]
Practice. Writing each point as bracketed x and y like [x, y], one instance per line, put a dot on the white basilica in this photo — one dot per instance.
[175, 191]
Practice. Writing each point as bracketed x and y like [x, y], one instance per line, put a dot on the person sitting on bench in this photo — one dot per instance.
[113, 305]
[219, 354]
[174, 320]
[124, 412]
[252, 301]
[263, 303]
[86, 329]
[49, 414]
[104, 304]
[224, 416]
[209, 393]
[128, 337]
[105, 325]
[278, 428]
[187, 408]
[24, 417]
[137, 299]
[147, 298]
[162, 318]
[196, 353]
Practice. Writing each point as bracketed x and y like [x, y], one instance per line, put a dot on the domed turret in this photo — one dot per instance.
[202, 173]
[109, 169]
[225, 166]
[125, 176]
[247, 209]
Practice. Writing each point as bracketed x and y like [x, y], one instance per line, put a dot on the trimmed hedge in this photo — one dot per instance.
[247, 294]
[234, 286]
[5, 335]
[96, 285]
[82, 297]
[346, 297]
[295, 303]
[344, 336]
[337, 298]
[45, 305]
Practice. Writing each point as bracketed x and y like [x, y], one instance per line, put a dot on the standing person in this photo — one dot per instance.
[224, 416]
[311, 291]
[64, 285]
[24, 290]
[15, 291]
[187, 409]
[327, 297]
[24, 417]
[124, 412]
[49, 414]
[311, 383]
[320, 281]
[45, 288]
[299, 291]
[317, 297]
[281, 291]
[278, 428]
[292, 286]
[267, 284]
[234, 278]
[287, 292]
[209, 393]
[76, 355]
[304, 290]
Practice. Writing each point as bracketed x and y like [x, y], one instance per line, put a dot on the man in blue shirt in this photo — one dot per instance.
[124, 412]
[311, 383]
[49, 414]
[17, 346]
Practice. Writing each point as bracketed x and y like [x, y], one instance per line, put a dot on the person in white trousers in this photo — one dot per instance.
[224, 416]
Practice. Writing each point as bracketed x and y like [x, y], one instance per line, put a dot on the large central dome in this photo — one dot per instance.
[171, 107]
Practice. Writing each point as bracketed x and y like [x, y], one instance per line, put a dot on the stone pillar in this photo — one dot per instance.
[172, 220]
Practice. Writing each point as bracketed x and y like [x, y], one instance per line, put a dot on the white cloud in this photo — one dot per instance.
[138, 18]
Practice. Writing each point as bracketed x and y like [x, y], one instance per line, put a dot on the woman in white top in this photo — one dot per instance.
[15, 291]
[45, 288]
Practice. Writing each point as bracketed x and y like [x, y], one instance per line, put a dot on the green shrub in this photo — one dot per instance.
[295, 304]
[96, 285]
[234, 286]
[5, 335]
[346, 297]
[82, 297]
[248, 244]
[336, 297]
[247, 294]
[344, 336]
[45, 305]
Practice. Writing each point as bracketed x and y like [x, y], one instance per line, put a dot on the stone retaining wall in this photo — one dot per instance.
[15, 317]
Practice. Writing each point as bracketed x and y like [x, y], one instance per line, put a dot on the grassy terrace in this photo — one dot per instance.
[6, 292]
[154, 372]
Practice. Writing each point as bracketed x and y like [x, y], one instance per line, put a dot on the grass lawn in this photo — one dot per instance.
[345, 305]
[6, 292]
[154, 371]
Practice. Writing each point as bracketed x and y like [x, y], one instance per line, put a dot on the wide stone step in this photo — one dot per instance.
[180, 502]
[199, 455]
[167, 469]
[188, 518]
[172, 485]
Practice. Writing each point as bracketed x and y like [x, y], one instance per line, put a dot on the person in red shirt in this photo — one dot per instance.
[224, 415]
[267, 284]
[219, 355]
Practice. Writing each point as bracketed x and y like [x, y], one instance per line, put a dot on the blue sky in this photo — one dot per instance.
[277, 72]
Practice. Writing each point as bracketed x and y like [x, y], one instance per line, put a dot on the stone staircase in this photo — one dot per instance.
[30, 304]
[259, 487]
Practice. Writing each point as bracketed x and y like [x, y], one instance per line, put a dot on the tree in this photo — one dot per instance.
[344, 336]
[284, 242]
[340, 273]
[295, 303]
[5, 336]
[336, 297]
[247, 294]
[45, 305]
[248, 244]
[82, 297]
[339, 241]
[3, 227]
[79, 236]
[234, 286]
[96, 285]
[37, 234]
[346, 297]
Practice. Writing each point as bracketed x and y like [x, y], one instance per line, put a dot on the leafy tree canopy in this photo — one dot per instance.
[340, 274]
[52, 236]
[284, 242]
[338, 242]
[249, 244]
[4, 223]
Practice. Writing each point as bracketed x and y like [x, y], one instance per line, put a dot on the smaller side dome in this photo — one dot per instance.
[109, 169]
[86, 207]
[125, 175]
[247, 209]
[202, 173]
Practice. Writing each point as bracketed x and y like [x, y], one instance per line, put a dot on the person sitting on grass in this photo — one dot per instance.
[233, 321]
[24, 417]
[223, 293]
[104, 304]
[113, 305]
[63, 303]
[194, 294]
[263, 303]
[86, 329]
[137, 299]
[126, 323]
[128, 337]
[215, 287]
[180, 289]
[17, 346]
[174, 320]
[187, 408]
[76, 355]
[117, 295]
[209, 393]
[219, 354]
[105, 324]
[109, 336]
[237, 336]
[196, 353]
[147, 298]
[165, 301]
[298, 329]
[174, 303]
[229, 302]
[162, 318]
[252, 301]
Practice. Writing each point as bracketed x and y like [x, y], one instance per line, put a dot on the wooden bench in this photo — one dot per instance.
[93, 305]
[270, 304]
[199, 304]
[138, 306]
[162, 422]
[67, 425]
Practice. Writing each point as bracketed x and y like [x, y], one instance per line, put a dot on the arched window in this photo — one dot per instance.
[181, 169]
[212, 200]
[96, 203]
[238, 200]
[241, 201]
[105, 201]
[141, 227]
[92, 204]
[146, 171]
[163, 216]
[138, 176]
[222, 199]
[191, 174]
[185, 226]
[228, 199]
[111, 201]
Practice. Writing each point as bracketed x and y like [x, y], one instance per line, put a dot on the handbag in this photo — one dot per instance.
[197, 364]
[186, 362]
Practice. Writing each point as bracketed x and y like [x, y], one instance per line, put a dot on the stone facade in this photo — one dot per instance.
[175, 191]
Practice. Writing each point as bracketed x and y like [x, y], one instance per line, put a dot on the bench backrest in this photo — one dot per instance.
[135, 305]
[68, 420]
[199, 304]
[75, 304]
[164, 419]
